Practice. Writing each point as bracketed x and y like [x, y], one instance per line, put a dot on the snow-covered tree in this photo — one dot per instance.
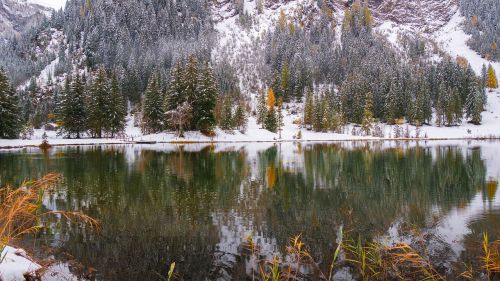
[367, 123]
[99, 104]
[261, 108]
[118, 111]
[72, 116]
[10, 112]
[152, 109]
[205, 100]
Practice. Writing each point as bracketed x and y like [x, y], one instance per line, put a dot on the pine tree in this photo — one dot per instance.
[285, 81]
[10, 111]
[271, 123]
[309, 109]
[191, 79]
[73, 114]
[440, 105]
[175, 95]
[240, 117]
[491, 80]
[152, 109]
[280, 121]
[318, 114]
[205, 101]
[366, 124]
[227, 115]
[61, 110]
[327, 114]
[118, 110]
[262, 108]
[420, 106]
[475, 103]
[391, 109]
[99, 104]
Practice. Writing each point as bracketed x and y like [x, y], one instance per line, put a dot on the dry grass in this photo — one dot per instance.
[371, 261]
[491, 257]
[21, 210]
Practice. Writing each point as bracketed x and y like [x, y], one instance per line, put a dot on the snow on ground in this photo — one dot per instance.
[54, 4]
[241, 47]
[453, 40]
[490, 128]
[14, 263]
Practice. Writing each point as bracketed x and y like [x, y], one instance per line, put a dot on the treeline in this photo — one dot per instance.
[97, 108]
[482, 18]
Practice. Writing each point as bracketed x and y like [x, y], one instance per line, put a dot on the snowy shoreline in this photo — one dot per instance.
[94, 142]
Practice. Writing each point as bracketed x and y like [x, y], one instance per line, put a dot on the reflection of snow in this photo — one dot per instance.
[454, 226]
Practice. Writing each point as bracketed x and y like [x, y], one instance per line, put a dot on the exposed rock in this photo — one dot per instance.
[17, 16]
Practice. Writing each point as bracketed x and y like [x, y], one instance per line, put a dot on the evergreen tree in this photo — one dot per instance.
[205, 100]
[191, 80]
[152, 109]
[240, 117]
[421, 107]
[391, 109]
[280, 121]
[175, 95]
[285, 81]
[318, 114]
[309, 109]
[99, 104]
[118, 111]
[475, 104]
[10, 111]
[271, 123]
[227, 115]
[78, 110]
[261, 108]
[491, 80]
[61, 110]
[73, 115]
[367, 123]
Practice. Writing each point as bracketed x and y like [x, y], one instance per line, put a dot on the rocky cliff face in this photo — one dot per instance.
[19, 15]
[424, 15]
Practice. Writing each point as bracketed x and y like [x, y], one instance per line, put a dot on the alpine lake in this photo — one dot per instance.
[199, 205]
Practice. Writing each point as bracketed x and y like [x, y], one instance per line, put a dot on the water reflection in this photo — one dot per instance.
[194, 204]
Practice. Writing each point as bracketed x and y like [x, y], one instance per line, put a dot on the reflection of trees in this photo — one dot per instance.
[153, 212]
[366, 190]
[160, 208]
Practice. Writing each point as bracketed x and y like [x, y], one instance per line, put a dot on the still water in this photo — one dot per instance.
[195, 205]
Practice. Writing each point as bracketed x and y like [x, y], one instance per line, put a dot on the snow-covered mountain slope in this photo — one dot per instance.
[453, 40]
[54, 4]
[242, 47]
[19, 15]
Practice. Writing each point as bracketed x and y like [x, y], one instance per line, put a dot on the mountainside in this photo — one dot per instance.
[397, 58]
[17, 16]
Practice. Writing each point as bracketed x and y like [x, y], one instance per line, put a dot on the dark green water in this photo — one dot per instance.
[195, 205]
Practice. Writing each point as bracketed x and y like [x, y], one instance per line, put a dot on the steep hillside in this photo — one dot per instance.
[332, 52]
[17, 16]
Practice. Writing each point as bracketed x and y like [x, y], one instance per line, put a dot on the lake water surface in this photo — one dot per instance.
[195, 205]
